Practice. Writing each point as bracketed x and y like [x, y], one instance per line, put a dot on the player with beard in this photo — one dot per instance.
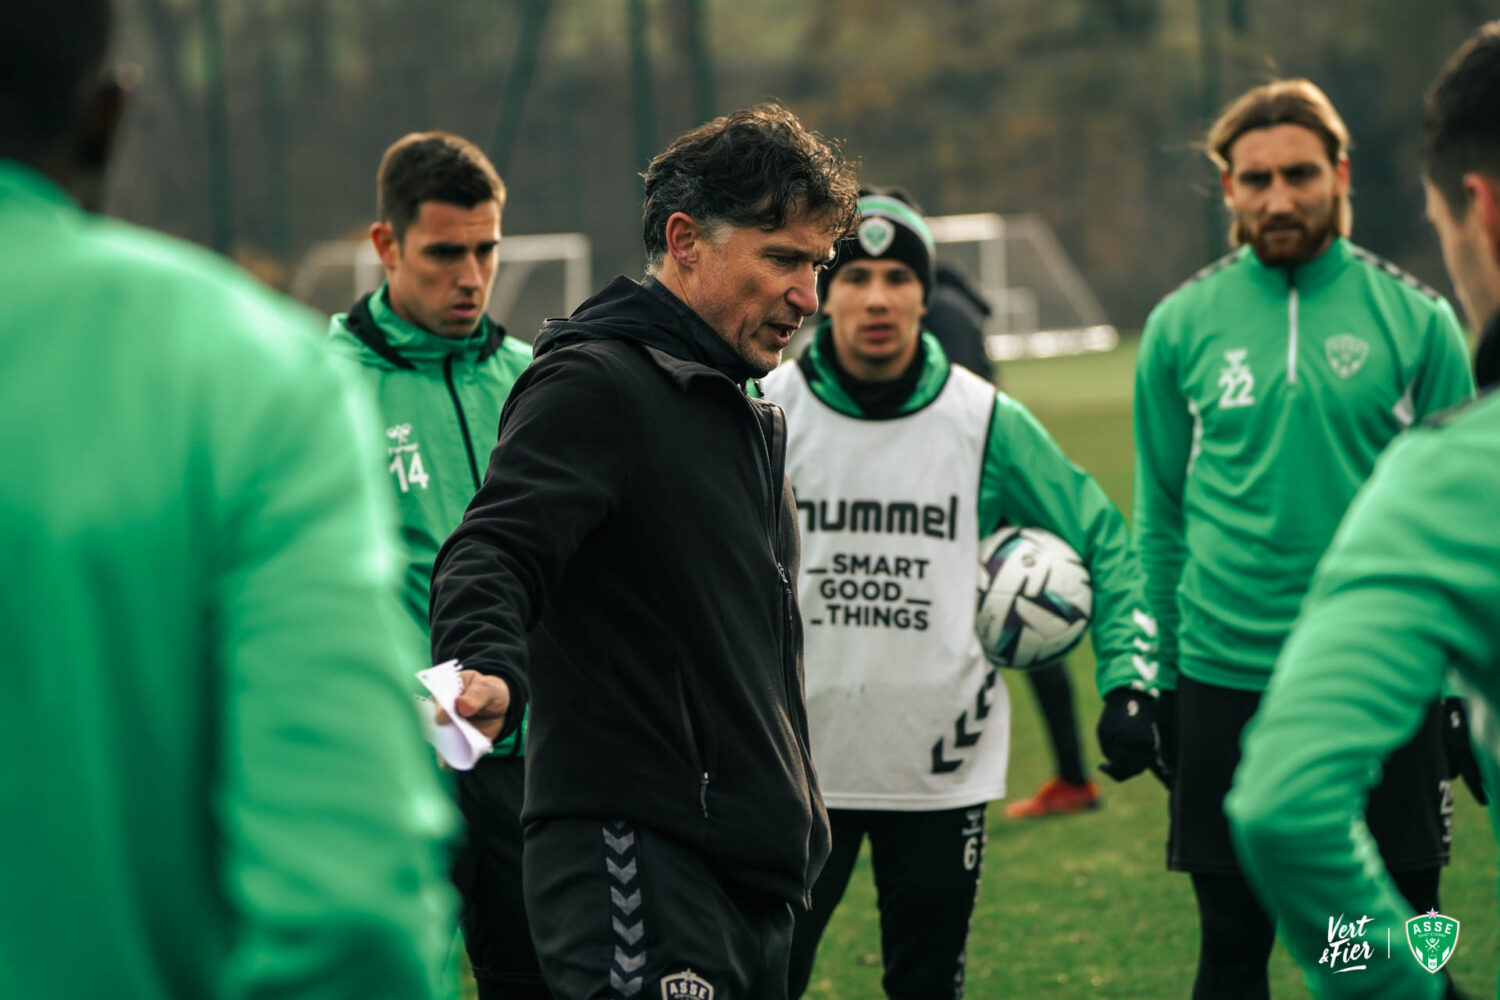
[1265, 388]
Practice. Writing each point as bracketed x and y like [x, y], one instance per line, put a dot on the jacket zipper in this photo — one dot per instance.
[771, 492]
[1291, 347]
[788, 627]
[692, 735]
[463, 423]
[786, 636]
[773, 517]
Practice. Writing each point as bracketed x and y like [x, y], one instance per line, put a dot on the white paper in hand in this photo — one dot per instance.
[459, 743]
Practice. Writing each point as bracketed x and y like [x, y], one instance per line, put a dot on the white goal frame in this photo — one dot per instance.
[1013, 329]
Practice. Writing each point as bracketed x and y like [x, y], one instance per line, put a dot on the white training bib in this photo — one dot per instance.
[905, 712]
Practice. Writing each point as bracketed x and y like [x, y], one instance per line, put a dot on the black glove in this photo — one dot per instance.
[1461, 762]
[1130, 736]
[1166, 730]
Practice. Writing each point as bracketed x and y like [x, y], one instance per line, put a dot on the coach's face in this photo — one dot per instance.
[1284, 193]
[754, 286]
[1470, 250]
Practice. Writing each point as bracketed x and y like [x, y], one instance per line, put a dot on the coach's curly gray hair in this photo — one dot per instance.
[754, 167]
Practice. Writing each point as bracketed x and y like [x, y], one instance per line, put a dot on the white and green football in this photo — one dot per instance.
[1035, 598]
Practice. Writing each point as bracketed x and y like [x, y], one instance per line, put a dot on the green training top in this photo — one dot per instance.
[1408, 591]
[439, 400]
[215, 785]
[1262, 398]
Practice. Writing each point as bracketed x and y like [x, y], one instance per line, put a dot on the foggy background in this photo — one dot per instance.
[257, 125]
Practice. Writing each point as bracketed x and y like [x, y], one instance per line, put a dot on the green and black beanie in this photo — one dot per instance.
[889, 229]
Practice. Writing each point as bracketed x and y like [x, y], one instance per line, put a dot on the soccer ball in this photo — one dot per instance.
[1035, 598]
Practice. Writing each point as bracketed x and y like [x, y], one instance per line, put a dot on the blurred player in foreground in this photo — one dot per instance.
[214, 780]
[1405, 597]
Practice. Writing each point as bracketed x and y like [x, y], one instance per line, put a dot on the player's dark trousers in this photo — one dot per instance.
[926, 867]
[619, 911]
[1408, 815]
[1054, 695]
[488, 877]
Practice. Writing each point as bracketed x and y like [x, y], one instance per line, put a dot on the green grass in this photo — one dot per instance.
[1083, 906]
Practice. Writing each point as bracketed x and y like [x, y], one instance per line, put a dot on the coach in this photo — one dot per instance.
[626, 570]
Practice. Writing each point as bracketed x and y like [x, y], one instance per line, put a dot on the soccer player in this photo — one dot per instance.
[901, 463]
[441, 369]
[214, 782]
[1405, 596]
[626, 570]
[1265, 388]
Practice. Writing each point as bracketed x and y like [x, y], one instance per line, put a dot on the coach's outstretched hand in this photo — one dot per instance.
[1461, 762]
[484, 702]
[1135, 734]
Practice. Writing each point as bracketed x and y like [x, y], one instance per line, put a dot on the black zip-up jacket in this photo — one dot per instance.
[626, 568]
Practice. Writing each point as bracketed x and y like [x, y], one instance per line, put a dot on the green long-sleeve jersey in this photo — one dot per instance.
[1026, 480]
[214, 782]
[1263, 396]
[439, 400]
[1407, 592]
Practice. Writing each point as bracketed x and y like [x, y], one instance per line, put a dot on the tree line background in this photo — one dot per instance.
[257, 125]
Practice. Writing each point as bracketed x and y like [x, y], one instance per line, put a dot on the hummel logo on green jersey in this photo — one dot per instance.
[1237, 381]
[408, 471]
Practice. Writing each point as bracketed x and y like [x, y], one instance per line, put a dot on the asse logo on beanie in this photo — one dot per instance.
[890, 229]
[876, 236]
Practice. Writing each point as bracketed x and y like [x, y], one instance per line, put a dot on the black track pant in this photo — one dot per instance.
[619, 912]
[1054, 695]
[488, 877]
[927, 868]
[1237, 934]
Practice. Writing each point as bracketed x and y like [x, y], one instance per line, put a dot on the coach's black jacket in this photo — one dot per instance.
[626, 568]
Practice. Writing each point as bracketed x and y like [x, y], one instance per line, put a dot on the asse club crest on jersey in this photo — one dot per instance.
[1432, 938]
[1346, 354]
[876, 235]
[686, 985]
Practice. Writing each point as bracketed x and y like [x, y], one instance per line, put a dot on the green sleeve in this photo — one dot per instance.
[328, 802]
[1407, 590]
[1029, 482]
[1164, 438]
[1446, 378]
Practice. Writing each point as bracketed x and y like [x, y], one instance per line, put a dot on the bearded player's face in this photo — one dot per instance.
[1284, 193]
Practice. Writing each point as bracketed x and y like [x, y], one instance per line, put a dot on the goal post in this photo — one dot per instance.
[1042, 306]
